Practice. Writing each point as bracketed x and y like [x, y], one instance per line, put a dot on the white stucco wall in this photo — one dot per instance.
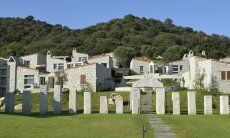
[135, 66]
[35, 60]
[21, 72]
[76, 56]
[102, 59]
[51, 61]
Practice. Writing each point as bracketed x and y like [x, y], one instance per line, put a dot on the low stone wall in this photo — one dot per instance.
[123, 89]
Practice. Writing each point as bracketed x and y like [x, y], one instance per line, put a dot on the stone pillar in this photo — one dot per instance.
[43, 99]
[57, 101]
[103, 105]
[207, 104]
[131, 98]
[119, 106]
[191, 96]
[160, 100]
[176, 103]
[136, 100]
[87, 102]
[72, 102]
[9, 97]
[26, 102]
[224, 104]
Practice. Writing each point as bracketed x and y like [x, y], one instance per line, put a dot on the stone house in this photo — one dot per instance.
[104, 60]
[15, 75]
[212, 73]
[33, 60]
[95, 76]
[141, 67]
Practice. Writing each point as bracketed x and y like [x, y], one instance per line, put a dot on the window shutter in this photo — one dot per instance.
[83, 79]
[223, 76]
[228, 75]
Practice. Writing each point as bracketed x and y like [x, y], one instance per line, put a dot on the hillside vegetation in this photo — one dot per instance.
[144, 37]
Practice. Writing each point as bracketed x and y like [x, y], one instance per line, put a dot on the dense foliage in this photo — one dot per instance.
[147, 37]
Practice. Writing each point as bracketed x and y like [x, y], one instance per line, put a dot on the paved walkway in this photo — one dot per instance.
[160, 128]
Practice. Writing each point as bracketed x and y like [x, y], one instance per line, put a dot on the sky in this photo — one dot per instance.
[209, 16]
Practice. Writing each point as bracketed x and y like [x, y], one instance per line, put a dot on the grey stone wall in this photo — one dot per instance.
[87, 102]
[43, 99]
[57, 101]
[207, 105]
[160, 100]
[103, 105]
[191, 103]
[26, 102]
[176, 103]
[72, 102]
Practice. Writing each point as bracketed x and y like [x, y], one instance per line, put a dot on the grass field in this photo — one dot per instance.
[199, 126]
[184, 126]
[65, 125]
[94, 125]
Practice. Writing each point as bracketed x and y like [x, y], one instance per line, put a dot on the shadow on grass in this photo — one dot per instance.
[51, 114]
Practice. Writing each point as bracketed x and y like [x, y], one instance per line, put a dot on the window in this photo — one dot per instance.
[27, 63]
[83, 58]
[175, 68]
[223, 76]
[28, 81]
[83, 79]
[141, 69]
[60, 66]
[3, 72]
[3, 81]
[181, 67]
[55, 66]
[42, 80]
[70, 66]
[104, 64]
[151, 68]
[228, 75]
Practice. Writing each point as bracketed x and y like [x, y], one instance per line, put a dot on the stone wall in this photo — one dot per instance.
[102, 60]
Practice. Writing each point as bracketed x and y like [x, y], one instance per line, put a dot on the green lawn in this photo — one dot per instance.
[196, 125]
[199, 126]
[94, 125]
[79, 125]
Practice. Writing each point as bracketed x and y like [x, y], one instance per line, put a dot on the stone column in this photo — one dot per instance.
[43, 99]
[160, 100]
[191, 96]
[176, 103]
[103, 105]
[130, 98]
[57, 101]
[9, 97]
[136, 100]
[26, 102]
[119, 106]
[87, 102]
[224, 104]
[207, 104]
[72, 102]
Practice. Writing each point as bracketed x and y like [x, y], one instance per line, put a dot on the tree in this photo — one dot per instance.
[174, 53]
[124, 55]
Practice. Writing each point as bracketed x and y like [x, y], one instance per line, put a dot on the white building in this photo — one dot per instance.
[96, 76]
[141, 67]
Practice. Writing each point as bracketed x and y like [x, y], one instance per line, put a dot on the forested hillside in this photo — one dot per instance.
[147, 37]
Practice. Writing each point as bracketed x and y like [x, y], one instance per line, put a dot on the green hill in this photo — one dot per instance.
[147, 37]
